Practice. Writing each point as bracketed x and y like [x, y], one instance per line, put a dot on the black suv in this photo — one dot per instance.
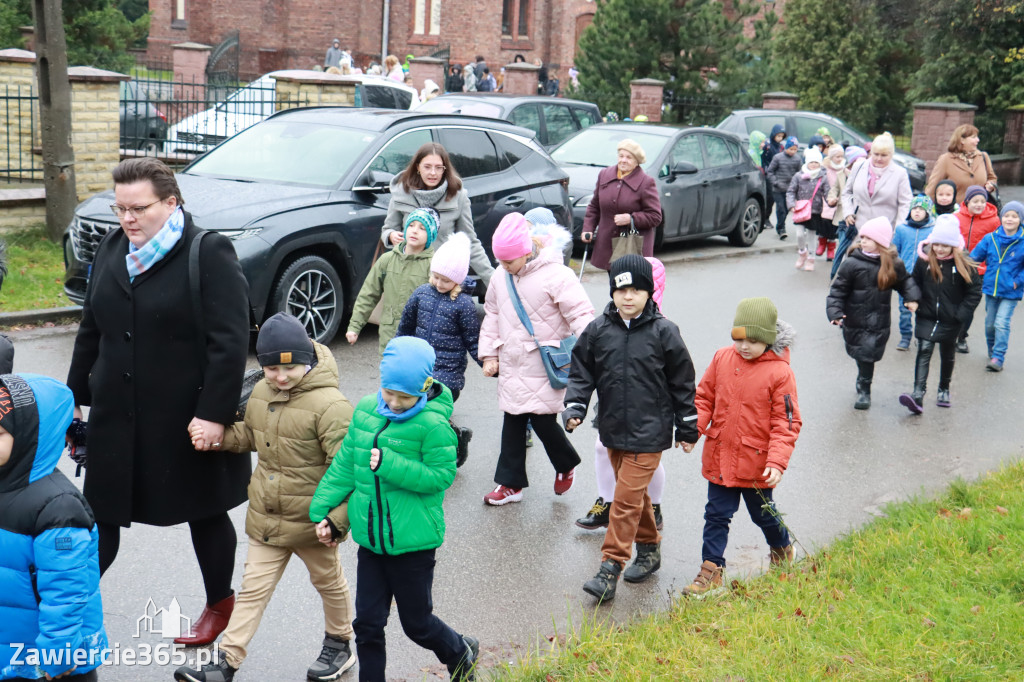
[304, 193]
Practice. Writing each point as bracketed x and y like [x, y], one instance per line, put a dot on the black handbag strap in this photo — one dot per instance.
[195, 288]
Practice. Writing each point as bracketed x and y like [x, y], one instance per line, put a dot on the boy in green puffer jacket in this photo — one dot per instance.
[394, 277]
[393, 468]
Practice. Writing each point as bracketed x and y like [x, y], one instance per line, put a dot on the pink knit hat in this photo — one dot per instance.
[512, 238]
[451, 259]
[879, 229]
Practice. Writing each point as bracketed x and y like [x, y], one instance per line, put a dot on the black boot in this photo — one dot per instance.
[604, 583]
[465, 669]
[648, 560]
[863, 394]
[211, 672]
[597, 517]
[914, 401]
[463, 435]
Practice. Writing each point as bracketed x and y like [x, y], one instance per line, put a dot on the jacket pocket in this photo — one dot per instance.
[752, 458]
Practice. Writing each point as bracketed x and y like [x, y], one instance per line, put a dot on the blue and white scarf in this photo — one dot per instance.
[141, 259]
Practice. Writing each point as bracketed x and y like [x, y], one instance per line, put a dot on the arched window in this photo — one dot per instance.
[427, 17]
[515, 19]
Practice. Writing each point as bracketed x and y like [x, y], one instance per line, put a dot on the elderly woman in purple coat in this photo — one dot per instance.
[625, 196]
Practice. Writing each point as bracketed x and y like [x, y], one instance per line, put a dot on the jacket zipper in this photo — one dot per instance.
[789, 409]
[380, 502]
[34, 577]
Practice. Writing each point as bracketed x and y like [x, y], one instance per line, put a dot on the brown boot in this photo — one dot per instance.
[210, 624]
[708, 580]
[783, 555]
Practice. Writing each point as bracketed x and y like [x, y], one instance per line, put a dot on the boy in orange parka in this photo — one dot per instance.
[977, 218]
[747, 411]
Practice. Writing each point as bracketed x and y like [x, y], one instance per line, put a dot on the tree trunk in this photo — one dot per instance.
[55, 113]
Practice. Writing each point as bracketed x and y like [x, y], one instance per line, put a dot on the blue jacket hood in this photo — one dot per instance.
[776, 129]
[42, 409]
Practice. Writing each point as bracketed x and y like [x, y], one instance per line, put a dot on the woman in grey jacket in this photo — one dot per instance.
[430, 181]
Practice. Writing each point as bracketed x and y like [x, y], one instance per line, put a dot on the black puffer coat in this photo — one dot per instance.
[855, 295]
[944, 306]
[136, 363]
[644, 379]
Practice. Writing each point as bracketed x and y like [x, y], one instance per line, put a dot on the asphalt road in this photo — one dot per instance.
[511, 576]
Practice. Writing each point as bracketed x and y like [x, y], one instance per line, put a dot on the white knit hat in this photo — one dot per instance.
[451, 259]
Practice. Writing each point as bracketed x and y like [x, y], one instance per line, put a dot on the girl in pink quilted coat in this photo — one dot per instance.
[557, 307]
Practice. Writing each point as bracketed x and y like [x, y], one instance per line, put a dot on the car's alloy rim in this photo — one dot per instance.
[751, 222]
[314, 301]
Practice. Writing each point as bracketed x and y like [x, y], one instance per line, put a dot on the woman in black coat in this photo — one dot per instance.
[139, 363]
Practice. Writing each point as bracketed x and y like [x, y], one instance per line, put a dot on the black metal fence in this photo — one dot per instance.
[696, 111]
[19, 135]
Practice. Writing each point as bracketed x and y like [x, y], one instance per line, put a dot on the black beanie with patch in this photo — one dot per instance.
[631, 270]
[283, 341]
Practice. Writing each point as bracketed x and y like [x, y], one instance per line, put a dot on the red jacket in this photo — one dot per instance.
[974, 228]
[747, 411]
[635, 194]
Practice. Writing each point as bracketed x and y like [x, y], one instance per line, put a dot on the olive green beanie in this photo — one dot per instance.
[755, 319]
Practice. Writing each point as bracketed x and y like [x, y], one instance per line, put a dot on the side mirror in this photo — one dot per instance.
[375, 181]
[684, 168]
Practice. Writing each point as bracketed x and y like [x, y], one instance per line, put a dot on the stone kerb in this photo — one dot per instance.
[299, 88]
[520, 79]
[645, 98]
[423, 68]
[934, 122]
[95, 126]
[779, 100]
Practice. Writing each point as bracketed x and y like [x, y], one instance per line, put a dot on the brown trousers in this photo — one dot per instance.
[631, 518]
[263, 569]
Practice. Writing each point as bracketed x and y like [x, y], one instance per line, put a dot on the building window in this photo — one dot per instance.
[515, 18]
[178, 18]
[427, 17]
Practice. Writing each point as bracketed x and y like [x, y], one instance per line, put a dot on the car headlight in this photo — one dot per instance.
[584, 200]
[235, 235]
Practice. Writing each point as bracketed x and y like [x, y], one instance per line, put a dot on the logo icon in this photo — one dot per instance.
[167, 623]
[623, 279]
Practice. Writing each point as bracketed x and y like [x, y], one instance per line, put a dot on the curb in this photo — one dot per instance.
[39, 316]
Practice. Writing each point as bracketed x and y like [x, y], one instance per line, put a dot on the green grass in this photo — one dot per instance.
[934, 591]
[35, 272]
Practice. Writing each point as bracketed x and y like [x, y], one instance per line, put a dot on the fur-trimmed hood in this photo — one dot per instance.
[785, 336]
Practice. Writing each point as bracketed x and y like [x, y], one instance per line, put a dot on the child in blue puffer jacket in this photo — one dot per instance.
[51, 614]
[444, 315]
[907, 237]
[1002, 252]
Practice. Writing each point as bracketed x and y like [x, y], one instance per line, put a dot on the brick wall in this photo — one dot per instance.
[646, 96]
[934, 122]
[19, 118]
[299, 89]
[95, 128]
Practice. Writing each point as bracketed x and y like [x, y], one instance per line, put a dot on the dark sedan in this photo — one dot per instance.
[143, 126]
[304, 193]
[706, 182]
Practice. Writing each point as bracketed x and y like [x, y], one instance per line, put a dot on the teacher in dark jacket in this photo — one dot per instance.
[625, 198]
[141, 366]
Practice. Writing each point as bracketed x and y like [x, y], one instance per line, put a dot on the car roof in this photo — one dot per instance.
[786, 112]
[382, 119]
[511, 99]
[323, 75]
[665, 129]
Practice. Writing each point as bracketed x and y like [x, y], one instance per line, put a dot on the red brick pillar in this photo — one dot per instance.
[934, 122]
[28, 37]
[645, 98]
[1013, 140]
[190, 62]
[422, 68]
[779, 100]
[520, 79]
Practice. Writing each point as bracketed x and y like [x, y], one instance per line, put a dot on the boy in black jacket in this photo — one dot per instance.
[637, 361]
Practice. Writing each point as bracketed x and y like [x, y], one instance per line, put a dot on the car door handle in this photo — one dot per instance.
[515, 201]
[706, 183]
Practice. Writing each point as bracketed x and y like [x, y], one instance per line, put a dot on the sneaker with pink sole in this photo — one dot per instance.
[503, 495]
[563, 482]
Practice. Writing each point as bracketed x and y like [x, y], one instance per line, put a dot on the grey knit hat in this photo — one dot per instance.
[283, 341]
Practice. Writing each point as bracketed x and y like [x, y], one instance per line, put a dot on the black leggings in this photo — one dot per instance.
[511, 470]
[214, 541]
[865, 370]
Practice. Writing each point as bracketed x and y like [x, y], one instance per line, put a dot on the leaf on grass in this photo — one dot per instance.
[661, 660]
[723, 643]
[831, 608]
[965, 513]
[550, 678]
[1002, 510]
[945, 513]
[975, 609]
[593, 668]
[837, 594]
[928, 622]
[799, 612]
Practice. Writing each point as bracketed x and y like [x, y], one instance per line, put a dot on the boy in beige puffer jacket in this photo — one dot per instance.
[296, 420]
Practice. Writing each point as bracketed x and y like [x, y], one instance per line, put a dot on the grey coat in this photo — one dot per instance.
[891, 198]
[456, 216]
[782, 169]
[802, 187]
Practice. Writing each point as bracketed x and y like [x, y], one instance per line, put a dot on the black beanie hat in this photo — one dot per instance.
[283, 341]
[631, 270]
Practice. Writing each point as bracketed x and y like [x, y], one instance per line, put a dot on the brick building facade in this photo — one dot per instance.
[284, 34]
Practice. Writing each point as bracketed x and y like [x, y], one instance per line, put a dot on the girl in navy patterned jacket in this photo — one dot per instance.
[444, 315]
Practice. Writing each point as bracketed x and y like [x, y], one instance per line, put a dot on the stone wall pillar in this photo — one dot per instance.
[934, 122]
[1013, 139]
[645, 98]
[312, 89]
[520, 79]
[19, 119]
[28, 37]
[423, 68]
[779, 100]
[95, 126]
[190, 62]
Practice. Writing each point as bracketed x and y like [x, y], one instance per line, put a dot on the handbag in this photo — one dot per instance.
[626, 243]
[802, 208]
[556, 360]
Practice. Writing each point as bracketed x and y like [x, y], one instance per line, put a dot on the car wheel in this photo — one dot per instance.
[310, 289]
[749, 225]
[150, 146]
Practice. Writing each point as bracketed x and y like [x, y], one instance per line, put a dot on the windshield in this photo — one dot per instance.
[597, 147]
[288, 152]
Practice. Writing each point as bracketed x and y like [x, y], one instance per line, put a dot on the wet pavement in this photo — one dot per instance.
[511, 576]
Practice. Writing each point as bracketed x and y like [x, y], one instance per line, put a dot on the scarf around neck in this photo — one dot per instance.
[428, 198]
[385, 411]
[873, 174]
[140, 259]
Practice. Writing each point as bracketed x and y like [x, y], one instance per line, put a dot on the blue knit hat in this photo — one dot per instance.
[923, 201]
[407, 366]
[540, 216]
[791, 142]
[1014, 206]
[428, 218]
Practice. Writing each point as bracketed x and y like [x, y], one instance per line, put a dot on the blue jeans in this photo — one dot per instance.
[781, 211]
[906, 321]
[998, 312]
[846, 236]
[722, 504]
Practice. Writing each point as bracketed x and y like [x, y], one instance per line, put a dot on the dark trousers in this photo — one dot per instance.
[511, 470]
[962, 337]
[722, 504]
[947, 358]
[409, 579]
[781, 211]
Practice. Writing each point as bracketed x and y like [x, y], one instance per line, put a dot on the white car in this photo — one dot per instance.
[248, 106]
